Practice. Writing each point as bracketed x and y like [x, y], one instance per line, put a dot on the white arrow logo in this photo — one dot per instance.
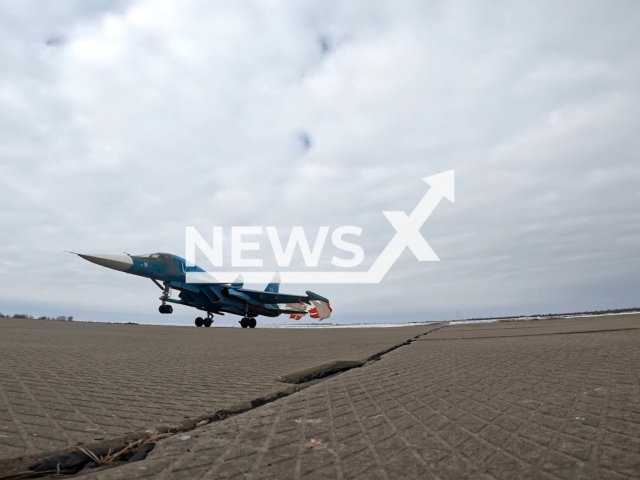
[407, 235]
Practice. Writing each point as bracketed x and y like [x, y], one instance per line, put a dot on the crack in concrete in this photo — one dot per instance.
[76, 461]
[304, 377]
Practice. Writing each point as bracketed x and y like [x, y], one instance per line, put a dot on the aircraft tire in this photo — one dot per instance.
[252, 323]
[207, 322]
[199, 322]
[165, 309]
[244, 322]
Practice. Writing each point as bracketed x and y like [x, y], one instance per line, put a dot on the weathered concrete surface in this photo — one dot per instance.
[538, 327]
[62, 382]
[532, 406]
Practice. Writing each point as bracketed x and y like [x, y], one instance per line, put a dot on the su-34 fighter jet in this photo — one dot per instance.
[169, 272]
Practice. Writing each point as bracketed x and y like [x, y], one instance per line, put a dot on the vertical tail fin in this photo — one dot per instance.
[238, 282]
[274, 286]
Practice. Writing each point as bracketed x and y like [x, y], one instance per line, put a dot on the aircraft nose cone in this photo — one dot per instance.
[115, 262]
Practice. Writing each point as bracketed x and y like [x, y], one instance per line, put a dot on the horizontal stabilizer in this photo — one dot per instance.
[315, 296]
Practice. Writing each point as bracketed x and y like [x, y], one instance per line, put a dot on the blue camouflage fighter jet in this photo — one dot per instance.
[169, 273]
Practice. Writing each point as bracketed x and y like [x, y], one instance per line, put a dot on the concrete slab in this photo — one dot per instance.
[537, 327]
[62, 383]
[521, 406]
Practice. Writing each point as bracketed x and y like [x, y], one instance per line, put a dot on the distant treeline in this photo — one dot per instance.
[594, 312]
[61, 318]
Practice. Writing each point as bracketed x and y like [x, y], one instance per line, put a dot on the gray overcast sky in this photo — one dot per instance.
[123, 122]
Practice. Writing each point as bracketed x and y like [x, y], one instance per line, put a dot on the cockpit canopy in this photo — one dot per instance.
[157, 256]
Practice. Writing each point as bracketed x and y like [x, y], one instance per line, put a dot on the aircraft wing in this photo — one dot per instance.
[271, 297]
[296, 305]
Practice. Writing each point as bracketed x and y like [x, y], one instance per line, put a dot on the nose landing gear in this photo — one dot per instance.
[166, 293]
[165, 309]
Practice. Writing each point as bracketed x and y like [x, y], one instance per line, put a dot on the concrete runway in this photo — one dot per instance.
[62, 383]
[547, 399]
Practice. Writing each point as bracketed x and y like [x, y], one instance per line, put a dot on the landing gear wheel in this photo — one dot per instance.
[165, 309]
[207, 322]
[248, 322]
[199, 322]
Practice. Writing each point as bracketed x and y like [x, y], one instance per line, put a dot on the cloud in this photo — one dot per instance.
[147, 117]
[304, 141]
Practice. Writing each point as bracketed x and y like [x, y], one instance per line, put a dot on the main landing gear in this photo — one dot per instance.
[206, 322]
[248, 322]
